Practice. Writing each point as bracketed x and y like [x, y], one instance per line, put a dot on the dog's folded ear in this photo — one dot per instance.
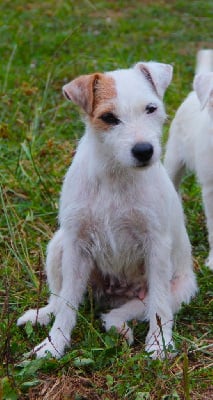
[158, 74]
[203, 86]
[81, 91]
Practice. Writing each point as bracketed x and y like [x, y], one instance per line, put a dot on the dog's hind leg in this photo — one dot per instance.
[207, 194]
[183, 282]
[173, 161]
[118, 317]
[176, 171]
[54, 278]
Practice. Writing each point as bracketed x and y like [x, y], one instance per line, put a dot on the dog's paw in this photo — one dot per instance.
[158, 348]
[47, 347]
[34, 316]
[122, 328]
[53, 345]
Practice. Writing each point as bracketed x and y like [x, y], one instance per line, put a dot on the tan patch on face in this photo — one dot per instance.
[103, 102]
[104, 90]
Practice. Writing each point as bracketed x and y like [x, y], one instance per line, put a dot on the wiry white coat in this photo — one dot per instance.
[120, 217]
[190, 143]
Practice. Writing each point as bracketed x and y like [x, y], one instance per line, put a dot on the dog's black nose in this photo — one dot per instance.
[143, 151]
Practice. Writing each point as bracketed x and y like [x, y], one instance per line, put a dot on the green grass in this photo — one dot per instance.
[43, 45]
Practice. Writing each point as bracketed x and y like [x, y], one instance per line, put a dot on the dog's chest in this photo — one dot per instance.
[116, 241]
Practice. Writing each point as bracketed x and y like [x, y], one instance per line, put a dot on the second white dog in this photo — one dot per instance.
[190, 143]
[121, 222]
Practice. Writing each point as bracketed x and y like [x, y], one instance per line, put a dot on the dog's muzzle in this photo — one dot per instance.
[142, 152]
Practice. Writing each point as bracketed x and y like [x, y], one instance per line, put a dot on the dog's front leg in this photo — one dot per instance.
[159, 310]
[75, 274]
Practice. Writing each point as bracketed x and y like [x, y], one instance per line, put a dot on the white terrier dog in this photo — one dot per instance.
[190, 141]
[121, 221]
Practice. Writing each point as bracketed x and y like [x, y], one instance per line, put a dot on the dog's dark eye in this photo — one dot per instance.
[150, 108]
[109, 118]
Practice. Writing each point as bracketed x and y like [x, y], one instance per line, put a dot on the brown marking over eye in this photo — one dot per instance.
[104, 90]
[103, 102]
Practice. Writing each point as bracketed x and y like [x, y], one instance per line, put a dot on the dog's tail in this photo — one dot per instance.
[204, 62]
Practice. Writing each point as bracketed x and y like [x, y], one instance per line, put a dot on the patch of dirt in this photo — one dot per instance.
[206, 395]
[74, 387]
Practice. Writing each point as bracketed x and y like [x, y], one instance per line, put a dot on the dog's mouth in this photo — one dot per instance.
[142, 164]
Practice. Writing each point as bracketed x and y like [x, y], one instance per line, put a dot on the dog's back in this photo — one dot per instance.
[190, 120]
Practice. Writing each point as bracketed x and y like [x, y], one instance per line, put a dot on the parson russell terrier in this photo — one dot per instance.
[121, 221]
[190, 143]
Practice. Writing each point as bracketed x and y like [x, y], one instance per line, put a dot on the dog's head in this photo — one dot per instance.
[203, 86]
[124, 111]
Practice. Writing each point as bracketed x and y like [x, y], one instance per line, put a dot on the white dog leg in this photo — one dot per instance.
[54, 278]
[75, 274]
[183, 282]
[207, 193]
[159, 307]
[173, 161]
[133, 309]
